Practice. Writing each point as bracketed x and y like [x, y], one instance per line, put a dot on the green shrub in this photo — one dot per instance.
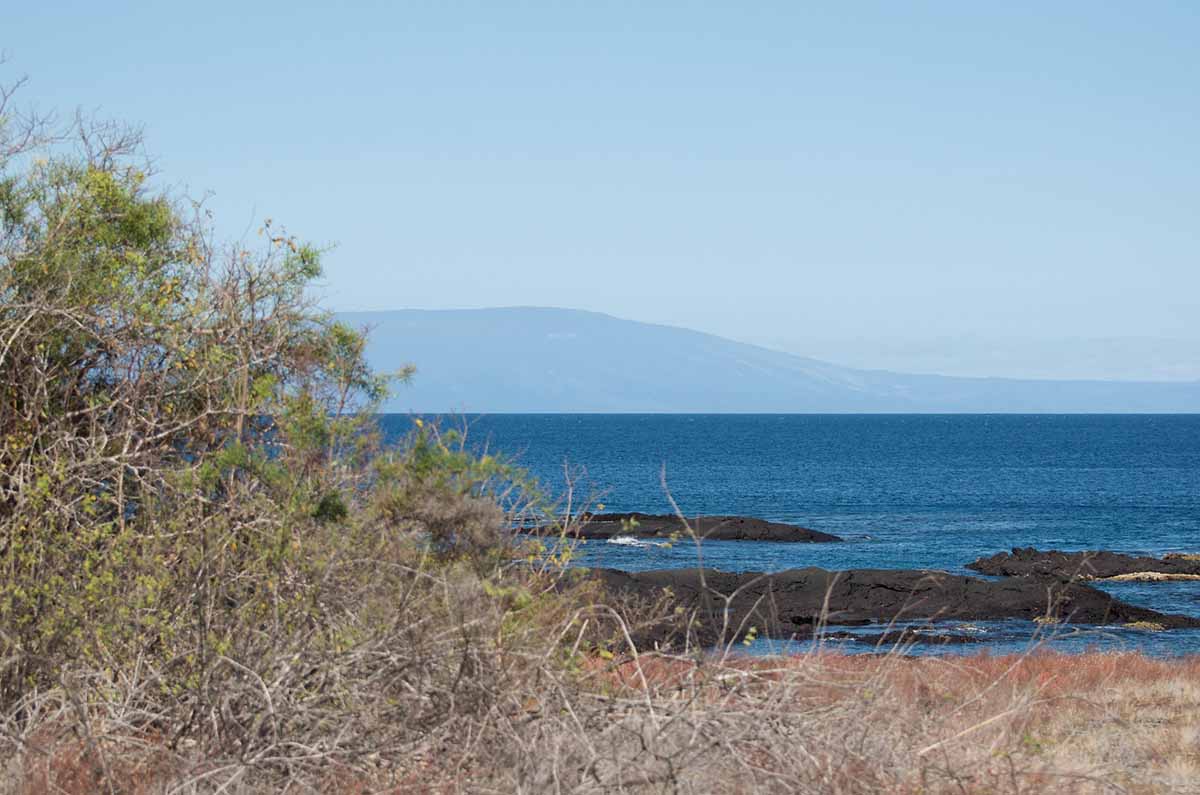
[201, 538]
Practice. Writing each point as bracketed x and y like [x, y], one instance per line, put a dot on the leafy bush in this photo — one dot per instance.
[142, 369]
[200, 537]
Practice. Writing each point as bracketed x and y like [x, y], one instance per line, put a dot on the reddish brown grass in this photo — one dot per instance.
[1042, 722]
[1119, 723]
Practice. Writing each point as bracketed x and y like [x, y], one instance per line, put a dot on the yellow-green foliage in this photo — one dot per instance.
[202, 540]
[182, 436]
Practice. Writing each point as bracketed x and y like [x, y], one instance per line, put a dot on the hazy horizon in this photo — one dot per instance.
[963, 189]
[1065, 358]
[1111, 359]
[545, 359]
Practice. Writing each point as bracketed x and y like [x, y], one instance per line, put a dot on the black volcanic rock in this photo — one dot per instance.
[793, 603]
[712, 528]
[1081, 565]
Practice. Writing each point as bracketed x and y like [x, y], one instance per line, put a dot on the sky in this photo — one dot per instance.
[810, 176]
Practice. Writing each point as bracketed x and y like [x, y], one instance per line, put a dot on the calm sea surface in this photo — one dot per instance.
[905, 491]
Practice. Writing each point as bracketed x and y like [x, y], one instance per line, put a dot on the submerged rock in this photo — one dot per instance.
[712, 528]
[720, 606]
[905, 637]
[1092, 565]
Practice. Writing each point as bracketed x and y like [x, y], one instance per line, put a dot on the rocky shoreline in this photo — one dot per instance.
[721, 606]
[1091, 565]
[708, 606]
[710, 528]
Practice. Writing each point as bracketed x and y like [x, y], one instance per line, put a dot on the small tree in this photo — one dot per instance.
[201, 539]
[171, 410]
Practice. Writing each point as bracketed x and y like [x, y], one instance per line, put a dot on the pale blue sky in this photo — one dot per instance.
[767, 171]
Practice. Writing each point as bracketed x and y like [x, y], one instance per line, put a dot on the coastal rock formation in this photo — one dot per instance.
[711, 528]
[1094, 565]
[724, 605]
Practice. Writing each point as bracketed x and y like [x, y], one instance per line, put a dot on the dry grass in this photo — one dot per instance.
[1044, 722]
[814, 723]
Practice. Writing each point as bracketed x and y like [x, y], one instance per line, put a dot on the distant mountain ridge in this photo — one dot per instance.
[535, 359]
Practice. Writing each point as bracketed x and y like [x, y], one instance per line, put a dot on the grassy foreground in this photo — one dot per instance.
[1041, 722]
[1120, 723]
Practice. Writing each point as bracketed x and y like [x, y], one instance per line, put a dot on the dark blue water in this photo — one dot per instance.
[906, 491]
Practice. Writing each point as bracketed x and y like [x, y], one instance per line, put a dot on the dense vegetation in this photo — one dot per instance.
[213, 578]
[201, 540]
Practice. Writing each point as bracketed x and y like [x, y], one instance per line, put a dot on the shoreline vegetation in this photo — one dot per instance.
[216, 578]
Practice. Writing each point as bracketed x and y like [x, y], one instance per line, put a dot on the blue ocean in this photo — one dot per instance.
[904, 491]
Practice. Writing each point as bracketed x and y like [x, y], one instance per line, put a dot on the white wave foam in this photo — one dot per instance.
[630, 541]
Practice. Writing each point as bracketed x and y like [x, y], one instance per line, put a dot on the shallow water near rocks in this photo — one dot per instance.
[905, 491]
[996, 637]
